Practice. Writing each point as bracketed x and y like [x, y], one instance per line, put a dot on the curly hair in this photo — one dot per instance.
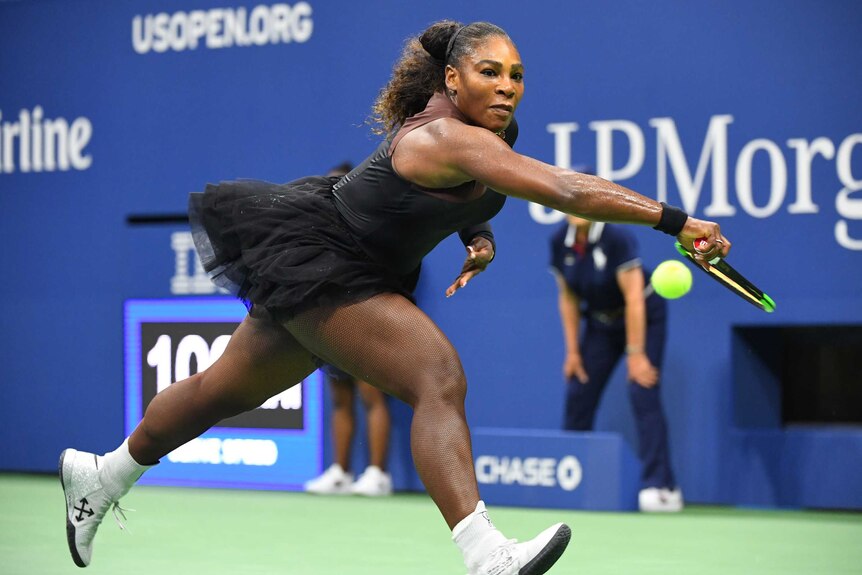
[420, 72]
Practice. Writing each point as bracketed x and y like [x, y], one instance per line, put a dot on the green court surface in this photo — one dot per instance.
[214, 532]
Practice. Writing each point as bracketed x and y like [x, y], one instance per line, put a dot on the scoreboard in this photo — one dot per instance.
[276, 446]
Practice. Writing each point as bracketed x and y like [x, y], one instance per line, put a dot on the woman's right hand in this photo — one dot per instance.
[717, 246]
[573, 366]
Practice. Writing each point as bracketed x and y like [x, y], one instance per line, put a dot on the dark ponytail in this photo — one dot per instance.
[419, 73]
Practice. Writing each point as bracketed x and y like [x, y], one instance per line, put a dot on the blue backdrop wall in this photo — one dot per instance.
[746, 113]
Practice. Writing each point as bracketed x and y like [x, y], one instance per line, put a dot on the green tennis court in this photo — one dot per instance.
[213, 532]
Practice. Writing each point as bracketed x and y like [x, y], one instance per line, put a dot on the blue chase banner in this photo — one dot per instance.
[566, 470]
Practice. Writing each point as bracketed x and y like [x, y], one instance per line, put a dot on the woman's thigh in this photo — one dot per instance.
[386, 341]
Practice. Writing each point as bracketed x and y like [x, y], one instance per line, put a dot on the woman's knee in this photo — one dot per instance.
[342, 394]
[372, 397]
[444, 382]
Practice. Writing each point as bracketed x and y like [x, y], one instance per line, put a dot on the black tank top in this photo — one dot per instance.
[398, 222]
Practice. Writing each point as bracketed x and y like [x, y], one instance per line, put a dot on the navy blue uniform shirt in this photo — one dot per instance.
[592, 275]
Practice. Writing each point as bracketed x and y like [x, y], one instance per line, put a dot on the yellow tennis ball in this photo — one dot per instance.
[671, 279]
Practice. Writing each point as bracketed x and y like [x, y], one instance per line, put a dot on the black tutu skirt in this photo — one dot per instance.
[285, 247]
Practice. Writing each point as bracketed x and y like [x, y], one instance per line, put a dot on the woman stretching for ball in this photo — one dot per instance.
[322, 263]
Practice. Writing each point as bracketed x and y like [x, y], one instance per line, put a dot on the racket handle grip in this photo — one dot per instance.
[701, 243]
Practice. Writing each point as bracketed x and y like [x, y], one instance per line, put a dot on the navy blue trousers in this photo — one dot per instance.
[602, 347]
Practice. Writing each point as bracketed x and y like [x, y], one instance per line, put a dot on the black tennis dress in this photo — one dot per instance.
[322, 241]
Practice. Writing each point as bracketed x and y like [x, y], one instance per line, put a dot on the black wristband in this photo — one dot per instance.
[488, 235]
[672, 220]
[482, 230]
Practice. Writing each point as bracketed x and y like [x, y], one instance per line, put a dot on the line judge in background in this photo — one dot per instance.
[322, 265]
[338, 478]
[603, 284]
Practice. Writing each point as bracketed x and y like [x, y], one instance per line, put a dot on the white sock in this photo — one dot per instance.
[119, 471]
[477, 537]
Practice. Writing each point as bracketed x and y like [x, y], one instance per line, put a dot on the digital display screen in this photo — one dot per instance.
[276, 446]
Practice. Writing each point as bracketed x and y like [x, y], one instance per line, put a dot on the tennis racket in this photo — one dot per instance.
[723, 273]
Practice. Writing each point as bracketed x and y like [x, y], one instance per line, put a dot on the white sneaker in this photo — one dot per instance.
[333, 481]
[86, 501]
[532, 557]
[660, 500]
[374, 482]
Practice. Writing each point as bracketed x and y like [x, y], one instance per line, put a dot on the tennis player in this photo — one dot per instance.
[322, 263]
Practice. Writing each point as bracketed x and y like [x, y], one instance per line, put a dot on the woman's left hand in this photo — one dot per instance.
[480, 252]
[641, 371]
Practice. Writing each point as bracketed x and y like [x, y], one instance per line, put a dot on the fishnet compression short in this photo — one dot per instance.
[389, 342]
[385, 340]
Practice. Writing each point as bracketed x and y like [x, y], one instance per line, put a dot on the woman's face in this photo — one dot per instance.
[488, 83]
